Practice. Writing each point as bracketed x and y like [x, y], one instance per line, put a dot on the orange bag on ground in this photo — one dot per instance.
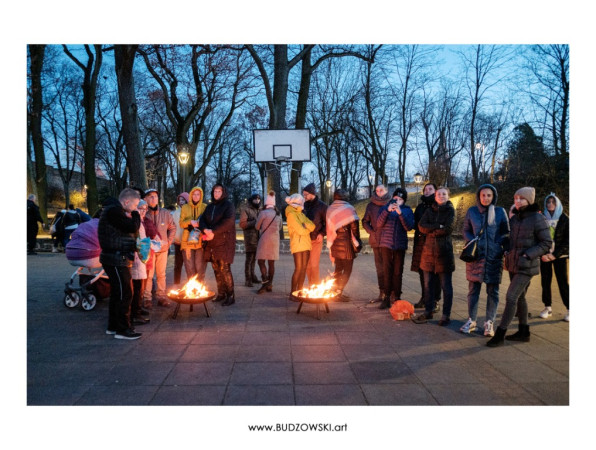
[402, 310]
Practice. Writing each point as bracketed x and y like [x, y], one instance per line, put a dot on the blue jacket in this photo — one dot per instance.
[392, 228]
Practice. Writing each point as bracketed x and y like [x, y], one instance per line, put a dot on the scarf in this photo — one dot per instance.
[339, 214]
[380, 201]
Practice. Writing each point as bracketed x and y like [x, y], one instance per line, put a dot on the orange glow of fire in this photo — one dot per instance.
[323, 290]
[192, 289]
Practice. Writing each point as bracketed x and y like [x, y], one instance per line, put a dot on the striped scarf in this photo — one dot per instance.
[339, 214]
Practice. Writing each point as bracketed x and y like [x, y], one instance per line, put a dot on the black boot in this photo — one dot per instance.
[248, 283]
[498, 339]
[522, 335]
[420, 304]
[378, 299]
[219, 297]
[263, 289]
[386, 303]
[230, 300]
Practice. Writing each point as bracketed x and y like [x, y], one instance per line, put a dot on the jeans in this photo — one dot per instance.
[300, 264]
[178, 262]
[343, 270]
[379, 266]
[546, 275]
[492, 300]
[66, 237]
[515, 301]
[437, 287]
[429, 292]
[159, 268]
[267, 274]
[393, 271]
[120, 297]
[312, 268]
[194, 264]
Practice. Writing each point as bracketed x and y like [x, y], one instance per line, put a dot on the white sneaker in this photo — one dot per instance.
[55, 250]
[488, 328]
[566, 319]
[468, 327]
[548, 311]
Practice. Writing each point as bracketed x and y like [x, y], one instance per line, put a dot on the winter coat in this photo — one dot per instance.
[299, 228]
[268, 225]
[189, 212]
[117, 234]
[530, 236]
[33, 215]
[84, 242]
[316, 211]
[494, 240]
[342, 247]
[70, 220]
[219, 217]
[83, 215]
[419, 238]
[248, 220]
[437, 224]
[369, 221]
[164, 222]
[392, 228]
[138, 271]
[561, 239]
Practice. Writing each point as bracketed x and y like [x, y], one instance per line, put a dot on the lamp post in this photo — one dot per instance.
[328, 184]
[183, 157]
[417, 180]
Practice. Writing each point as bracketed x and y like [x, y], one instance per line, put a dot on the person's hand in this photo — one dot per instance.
[319, 238]
[195, 223]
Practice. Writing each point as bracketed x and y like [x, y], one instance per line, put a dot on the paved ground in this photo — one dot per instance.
[260, 352]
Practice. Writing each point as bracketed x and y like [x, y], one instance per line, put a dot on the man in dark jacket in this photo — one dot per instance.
[117, 228]
[379, 199]
[315, 210]
[427, 200]
[248, 220]
[219, 227]
[33, 217]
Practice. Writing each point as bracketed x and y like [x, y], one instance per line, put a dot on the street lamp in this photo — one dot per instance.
[417, 180]
[328, 184]
[183, 157]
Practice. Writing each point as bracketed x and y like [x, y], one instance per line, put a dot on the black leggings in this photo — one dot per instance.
[264, 273]
[300, 263]
[343, 270]
[546, 276]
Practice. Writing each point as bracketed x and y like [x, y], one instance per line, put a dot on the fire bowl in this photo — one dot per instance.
[295, 296]
[181, 300]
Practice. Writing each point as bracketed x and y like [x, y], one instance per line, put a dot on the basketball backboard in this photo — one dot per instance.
[281, 145]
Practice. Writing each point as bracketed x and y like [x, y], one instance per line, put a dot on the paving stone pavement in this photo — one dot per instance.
[260, 352]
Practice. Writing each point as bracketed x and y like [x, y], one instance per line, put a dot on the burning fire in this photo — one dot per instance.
[192, 289]
[323, 290]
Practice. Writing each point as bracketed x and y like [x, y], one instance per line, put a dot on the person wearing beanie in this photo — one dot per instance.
[437, 258]
[181, 200]
[248, 220]
[218, 226]
[299, 228]
[489, 225]
[166, 229]
[557, 257]
[529, 240]
[268, 224]
[379, 198]
[191, 244]
[315, 210]
[393, 223]
[426, 201]
[342, 230]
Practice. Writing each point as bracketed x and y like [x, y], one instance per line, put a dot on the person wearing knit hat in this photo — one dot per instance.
[269, 223]
[401, 193]
[299, 228]
[529, 239]
[316, 211]
[248, 220]
[557, 257]
[182, 199]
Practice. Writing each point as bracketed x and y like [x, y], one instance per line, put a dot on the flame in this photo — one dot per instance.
[192, 289]
[323, 290]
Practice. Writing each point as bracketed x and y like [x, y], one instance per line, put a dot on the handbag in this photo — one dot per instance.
[470, 251]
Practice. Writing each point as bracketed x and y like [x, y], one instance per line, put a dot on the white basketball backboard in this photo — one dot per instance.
[280, 145]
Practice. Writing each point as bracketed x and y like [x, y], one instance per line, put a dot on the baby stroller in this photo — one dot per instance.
[82, 251]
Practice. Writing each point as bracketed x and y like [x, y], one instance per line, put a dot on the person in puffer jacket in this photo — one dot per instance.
[557, 257]
[369, 222]
[191, 243]
[490, 225]
[529, 240]
[437, 255]
[394, 221]
[299, 229]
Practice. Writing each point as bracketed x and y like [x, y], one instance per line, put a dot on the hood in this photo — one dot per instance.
[438, 207]
[189, 195]
[186, 197]
[380, 201]
[486, 186]
[224, 195]
[558, 208]
[112, 201]
[292, 210]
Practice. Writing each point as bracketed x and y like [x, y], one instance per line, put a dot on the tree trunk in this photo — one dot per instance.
[41, 182]
[124, 59]
[301, 115]
[89, 91]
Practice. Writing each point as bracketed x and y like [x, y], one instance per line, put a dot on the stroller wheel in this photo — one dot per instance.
[72, 299]
[89, 302]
